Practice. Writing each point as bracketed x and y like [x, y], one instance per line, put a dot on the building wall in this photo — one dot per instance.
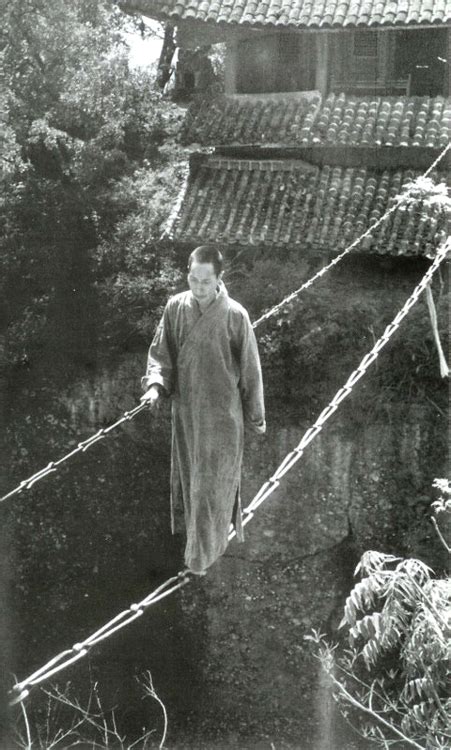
[347, 56]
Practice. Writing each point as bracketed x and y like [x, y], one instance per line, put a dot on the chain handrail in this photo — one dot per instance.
[398, 200]
[78, 650]
[294, 455]
[83, 446]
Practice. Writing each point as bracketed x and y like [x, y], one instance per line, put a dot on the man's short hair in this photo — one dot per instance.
[207, 254]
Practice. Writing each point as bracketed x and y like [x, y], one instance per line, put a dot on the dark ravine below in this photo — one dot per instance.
[227, 654]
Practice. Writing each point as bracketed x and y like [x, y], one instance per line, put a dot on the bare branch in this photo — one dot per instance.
[357, 704]
[27, 726]
[440, 535]
[147, 684]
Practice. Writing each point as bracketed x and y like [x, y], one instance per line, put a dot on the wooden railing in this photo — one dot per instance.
[385, 87]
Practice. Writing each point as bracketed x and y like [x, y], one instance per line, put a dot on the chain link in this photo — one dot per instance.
[68, 657]
[82, 447]
[26, 484]
[21, 689]
[355, 376]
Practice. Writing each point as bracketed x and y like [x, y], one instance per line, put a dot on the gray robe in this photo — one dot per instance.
[208, 362]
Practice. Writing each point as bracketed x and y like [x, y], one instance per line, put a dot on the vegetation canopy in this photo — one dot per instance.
[396, 669]
[89, 171]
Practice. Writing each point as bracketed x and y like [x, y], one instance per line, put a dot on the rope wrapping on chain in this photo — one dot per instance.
[21, 689]
[398, 200]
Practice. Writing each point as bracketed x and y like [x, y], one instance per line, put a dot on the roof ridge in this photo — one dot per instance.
[298, 14]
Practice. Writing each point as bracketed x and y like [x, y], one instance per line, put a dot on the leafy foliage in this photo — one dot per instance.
[137, 272]
[425, 193]
[83, 134]
[396, 670]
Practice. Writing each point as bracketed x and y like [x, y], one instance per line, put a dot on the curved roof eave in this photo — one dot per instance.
[345, 16]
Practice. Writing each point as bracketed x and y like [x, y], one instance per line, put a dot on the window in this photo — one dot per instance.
[276, 62]
[365, 44]
[362, 56]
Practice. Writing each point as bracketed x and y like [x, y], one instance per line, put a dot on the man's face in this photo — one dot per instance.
[203, 281]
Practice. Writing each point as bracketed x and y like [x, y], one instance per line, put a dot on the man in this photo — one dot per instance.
[204, 355]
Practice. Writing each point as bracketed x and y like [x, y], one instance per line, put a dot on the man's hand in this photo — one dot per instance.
[151, 396]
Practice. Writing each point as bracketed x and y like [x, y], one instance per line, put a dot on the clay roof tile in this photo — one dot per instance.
[300, 13]
[366, 121]
[279, 202]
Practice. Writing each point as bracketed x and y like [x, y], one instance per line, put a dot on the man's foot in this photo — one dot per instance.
[198, 572]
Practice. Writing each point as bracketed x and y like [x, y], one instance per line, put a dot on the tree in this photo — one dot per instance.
[395, 671]
[79, 125]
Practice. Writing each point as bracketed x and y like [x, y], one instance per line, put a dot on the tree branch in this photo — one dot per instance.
[27, 725]
[440, 535]
[354, 702]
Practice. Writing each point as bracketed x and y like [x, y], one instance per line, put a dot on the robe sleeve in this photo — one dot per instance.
[160, 360]
[251, 381]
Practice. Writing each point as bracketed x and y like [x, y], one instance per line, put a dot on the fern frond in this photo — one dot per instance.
[368, 627]
[362, 597]
[418, 716]
[420, 687]
[416, 569]
[371, 653]
[427, 645]
[401, 588]
[439, 592]
[373, 562]
[422, 711]
[395, 625]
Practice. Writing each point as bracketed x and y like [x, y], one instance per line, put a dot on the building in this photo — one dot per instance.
[328, 110]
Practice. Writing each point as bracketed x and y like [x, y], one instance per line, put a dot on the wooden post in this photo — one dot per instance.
[447, 86]
[383, 51]
[322, 63]
[230, 66]
[166, 55]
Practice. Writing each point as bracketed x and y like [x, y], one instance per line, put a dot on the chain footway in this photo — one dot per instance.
[83, 446]
[21, 690]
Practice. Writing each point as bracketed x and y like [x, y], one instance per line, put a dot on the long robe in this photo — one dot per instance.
[208, 362]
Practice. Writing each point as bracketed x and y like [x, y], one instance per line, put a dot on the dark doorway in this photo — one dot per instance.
[421, 54]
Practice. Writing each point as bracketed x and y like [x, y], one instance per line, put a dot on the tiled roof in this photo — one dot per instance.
[338, 119]
[298, 13]
[289, 203]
